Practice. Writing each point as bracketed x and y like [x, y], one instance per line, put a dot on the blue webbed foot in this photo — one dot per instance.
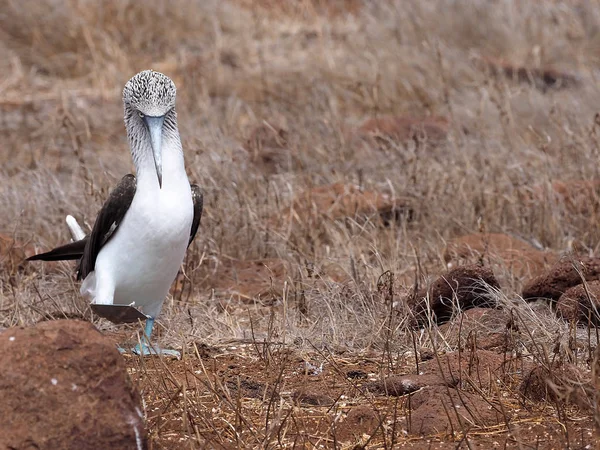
[150, 350]
[146, 349]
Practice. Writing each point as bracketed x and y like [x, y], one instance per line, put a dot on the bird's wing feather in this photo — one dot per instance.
[107, 222]
[198, 200]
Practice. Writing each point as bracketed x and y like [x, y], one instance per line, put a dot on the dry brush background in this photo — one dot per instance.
[345, 148]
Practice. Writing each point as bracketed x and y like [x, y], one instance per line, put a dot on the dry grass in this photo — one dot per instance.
[318, 72]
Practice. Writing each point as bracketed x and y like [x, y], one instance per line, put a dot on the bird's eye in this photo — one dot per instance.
[141, 114]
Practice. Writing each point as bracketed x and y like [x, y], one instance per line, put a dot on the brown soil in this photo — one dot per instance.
[309, 396]
[565, 274]
[64, 385]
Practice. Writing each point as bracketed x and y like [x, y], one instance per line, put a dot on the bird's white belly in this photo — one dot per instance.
[139, 263]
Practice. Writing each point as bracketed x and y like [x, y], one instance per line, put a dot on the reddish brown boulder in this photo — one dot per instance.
[442, 410]
[398, 385]
[581, 303]
[483, 328]
[461, 288]
[565, 274]
[338, 201]
[558, 383]
[467, 368]
[497, 249]
[64, 385]
[361, 419]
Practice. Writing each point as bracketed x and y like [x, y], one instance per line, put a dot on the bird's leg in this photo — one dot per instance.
[145, 348]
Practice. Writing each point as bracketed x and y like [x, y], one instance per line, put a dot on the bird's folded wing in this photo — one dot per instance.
[108, 220]
[198, 200]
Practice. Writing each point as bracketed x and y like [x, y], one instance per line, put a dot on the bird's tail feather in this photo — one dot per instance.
[75, 229]
[71, 251]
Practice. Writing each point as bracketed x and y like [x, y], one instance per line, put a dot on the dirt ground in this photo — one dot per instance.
[352, 154]
[264, 396]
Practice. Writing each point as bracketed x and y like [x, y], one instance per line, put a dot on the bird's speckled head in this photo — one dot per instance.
[150, 93]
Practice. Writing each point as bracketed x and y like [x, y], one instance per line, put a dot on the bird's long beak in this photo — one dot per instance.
[155, 125]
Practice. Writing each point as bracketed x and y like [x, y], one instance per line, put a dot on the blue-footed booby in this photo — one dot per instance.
[141, 234]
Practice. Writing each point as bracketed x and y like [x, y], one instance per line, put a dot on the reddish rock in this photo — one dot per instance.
[482, 318]
[339, 201]
[565, 274]
[404, 128]
[398, 385]
[483, 328]
[64, 385]
[558, 383]
[361, 419]
[463, 287]
[512, 254]
[540, 77]
[575, 304]
[443, 410]
[479, 367]
[501, 342]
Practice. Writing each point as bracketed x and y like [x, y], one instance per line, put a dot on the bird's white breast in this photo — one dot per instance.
[144, 255]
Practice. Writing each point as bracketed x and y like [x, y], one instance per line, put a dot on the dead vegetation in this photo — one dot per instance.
[341, 147]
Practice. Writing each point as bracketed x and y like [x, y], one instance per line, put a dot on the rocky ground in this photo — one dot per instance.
[399, 245]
